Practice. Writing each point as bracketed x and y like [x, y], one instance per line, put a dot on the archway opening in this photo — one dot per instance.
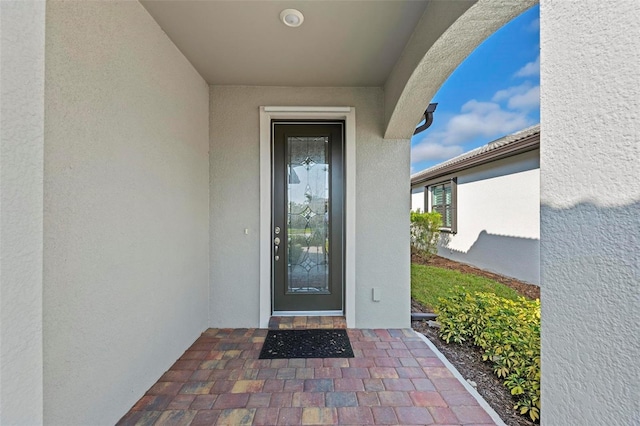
[477, 167]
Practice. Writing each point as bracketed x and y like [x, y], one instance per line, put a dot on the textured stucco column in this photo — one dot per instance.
[21, 147]
[590, 226]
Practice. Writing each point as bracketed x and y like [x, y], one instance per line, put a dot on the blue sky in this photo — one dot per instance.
[494, 92]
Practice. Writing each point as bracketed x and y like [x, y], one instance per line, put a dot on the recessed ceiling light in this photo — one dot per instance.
[291, 17]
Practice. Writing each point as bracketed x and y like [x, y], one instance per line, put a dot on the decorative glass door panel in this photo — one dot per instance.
[307, 216]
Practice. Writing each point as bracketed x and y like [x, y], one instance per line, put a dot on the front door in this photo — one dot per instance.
[307, 216]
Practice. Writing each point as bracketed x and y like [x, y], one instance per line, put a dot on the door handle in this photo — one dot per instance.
[276, 242]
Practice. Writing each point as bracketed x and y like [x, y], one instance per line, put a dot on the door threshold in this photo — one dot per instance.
[304, 322]
[307, 313]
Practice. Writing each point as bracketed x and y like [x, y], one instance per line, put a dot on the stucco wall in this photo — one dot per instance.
[590, 195]
[498, 217]
[382, 174]
[126, 208]
[417, 199]
[21, 145]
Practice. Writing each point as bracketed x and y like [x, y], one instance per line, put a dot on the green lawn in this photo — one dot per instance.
[428, 283]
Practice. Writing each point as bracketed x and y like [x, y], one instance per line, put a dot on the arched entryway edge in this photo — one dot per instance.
[454, 45]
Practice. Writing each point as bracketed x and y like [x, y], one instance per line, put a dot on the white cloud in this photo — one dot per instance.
[506, 113]
[522, 97]
[486, 119]
[527, 100]
[530, 69]
[432, 151]
[509, 92]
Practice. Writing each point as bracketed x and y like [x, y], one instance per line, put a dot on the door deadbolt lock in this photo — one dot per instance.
[276, 241]
[277, 230]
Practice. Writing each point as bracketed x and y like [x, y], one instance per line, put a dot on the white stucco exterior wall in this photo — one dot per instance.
[126, 208]
[21, 152]
[417, 199]
[382, 176]
[498, 217]
[590, 214]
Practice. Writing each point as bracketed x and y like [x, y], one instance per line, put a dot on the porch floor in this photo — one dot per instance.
[394, 378]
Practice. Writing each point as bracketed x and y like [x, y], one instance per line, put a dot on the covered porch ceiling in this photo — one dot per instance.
[340, 43]
[407, 47]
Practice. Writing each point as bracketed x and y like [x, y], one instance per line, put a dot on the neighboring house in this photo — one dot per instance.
[489, 199]
[136, 192]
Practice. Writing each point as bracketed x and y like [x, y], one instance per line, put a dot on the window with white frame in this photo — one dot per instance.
[442, 199]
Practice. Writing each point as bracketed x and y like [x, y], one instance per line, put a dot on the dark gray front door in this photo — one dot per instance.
[308, 216]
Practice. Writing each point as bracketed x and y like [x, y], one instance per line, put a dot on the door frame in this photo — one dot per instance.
[285, 303]
[348, 114]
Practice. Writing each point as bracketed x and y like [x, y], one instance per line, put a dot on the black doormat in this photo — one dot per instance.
[306, 344]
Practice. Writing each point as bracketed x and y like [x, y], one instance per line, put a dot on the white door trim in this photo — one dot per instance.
[268, 113]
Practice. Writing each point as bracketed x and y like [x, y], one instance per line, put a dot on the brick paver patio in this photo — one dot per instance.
[394, 378]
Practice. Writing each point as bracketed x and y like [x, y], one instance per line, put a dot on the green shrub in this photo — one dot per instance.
[507, 331]
[425, 232]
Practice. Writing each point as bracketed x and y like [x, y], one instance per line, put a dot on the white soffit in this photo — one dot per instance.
[340, 43]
